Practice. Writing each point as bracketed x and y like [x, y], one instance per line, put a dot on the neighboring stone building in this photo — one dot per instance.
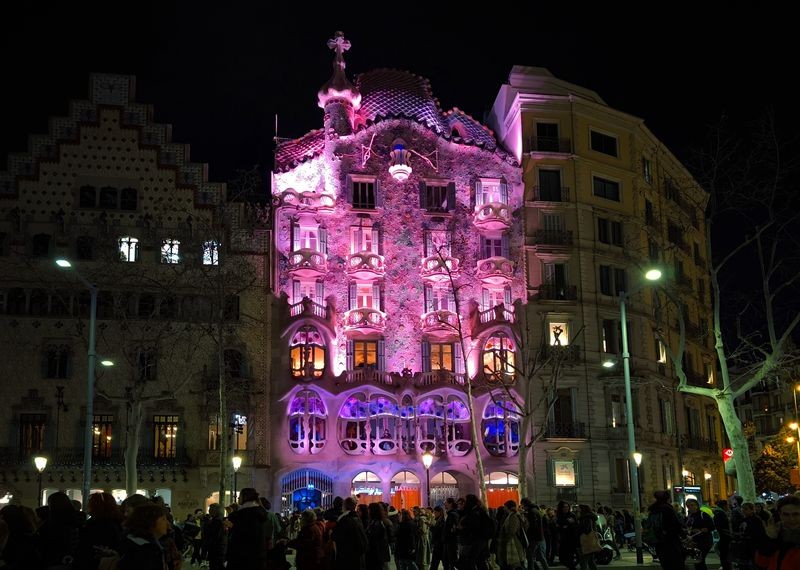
[392, 222]
[603, 200]
[108, 189]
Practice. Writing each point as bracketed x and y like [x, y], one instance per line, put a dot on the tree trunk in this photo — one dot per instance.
[476, 443]
[523, 455]
[223, 410]
[133, 433]
[741, 451]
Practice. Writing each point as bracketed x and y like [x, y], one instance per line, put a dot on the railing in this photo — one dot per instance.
[492, 216]
[495, 270]
[73, 457]
[552, 237]
[548, 144]
[368, 374]
[439, 377]
[309, 307]
[365, 262]
[700, 443]
[307, 261]
[439, 267]
[440, 320]
[364, 318]
[568, 353]
[498, 313]
[557, 292]
[695, 379]
[211, 457]
[566, 430]
[550, 194]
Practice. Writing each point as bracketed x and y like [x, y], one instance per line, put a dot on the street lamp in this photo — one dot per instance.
[41, 463]
[637, 458]
[650, 275]
[237, 462]
[427, 461]
[796, 427]
[92, 357]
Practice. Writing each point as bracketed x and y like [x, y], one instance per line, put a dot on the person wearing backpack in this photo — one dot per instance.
[665, 531]
[537, 548]
[700, 526]
[511, 539]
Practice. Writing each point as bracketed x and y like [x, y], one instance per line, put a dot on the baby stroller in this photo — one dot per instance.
[606, 537]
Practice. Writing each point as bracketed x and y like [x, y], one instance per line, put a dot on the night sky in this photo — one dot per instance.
[220, 77]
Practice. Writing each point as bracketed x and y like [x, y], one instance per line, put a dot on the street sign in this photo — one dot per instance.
[727, 454]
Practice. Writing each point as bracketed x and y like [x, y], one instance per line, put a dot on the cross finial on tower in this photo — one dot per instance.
[341, 45]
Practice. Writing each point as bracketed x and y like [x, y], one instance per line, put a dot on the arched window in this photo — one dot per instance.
[458, 427]
[501, 487]
[353, 424]
[500, 428]
[308, 353]
[498, 358]
[405, 490]
[384, 419]
[367, 485]
[431, 436]
[408, 432]
[307, 422]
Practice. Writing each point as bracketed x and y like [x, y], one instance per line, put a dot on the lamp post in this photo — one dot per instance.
[41, 463]
[650, 275]
[91, 363]
[237, 462]
[795, 439]
[427, 461]
[637, 458]
[794, 425]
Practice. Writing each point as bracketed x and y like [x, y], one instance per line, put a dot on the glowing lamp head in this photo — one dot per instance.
[63, 263]
[237, 462]
[107, 363]
[427, 459]
[793, 425]
[685, 472]
[609, 364]
[707, 476]
[40, 462]
[652, 274]
[399, 167]
[637, 458]
[790, 439]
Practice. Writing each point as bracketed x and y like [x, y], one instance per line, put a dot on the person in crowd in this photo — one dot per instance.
[213, 535]
[59, 535]
[551, 534]
[510, 550]
[700, 527]
[747, 534]
[781, 548]
[246, 536]
[350, 538]
[22, 549]
[437, 538]
[102, 533]
[423, 525]
[308, 542]
[377, 555]
[763, 513]
[669, 530]
[587, 526]
[273, 533]
[567, 527]
[450, 537]
[476, 529]
[335, 511]
[141, 550]
[722, 523]
[406, 553]
[537, 548]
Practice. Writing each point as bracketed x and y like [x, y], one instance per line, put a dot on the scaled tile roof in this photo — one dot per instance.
[290, 153]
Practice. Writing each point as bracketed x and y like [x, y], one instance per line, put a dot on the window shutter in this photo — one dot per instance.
[349, 191]
[320, 291]
[378, 194]
[504, 192]
[458, 356]
[295, 237]
[381, 364]
[451, 300]
[296, 291]
[376, 241]
[423, 202]
[551, 467]
[68, 363]
[507, 297]
[578, 472]
[550, 273]
[478, 194]
[426, 356]
[451, 196]
[484, 299]
[350, 352]
[428, 296]
[352, 296]
[377, 300]
[46, 364]
[429, 249]
[323, 241]
[504, 247]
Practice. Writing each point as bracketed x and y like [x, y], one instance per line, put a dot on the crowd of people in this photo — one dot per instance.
[460, 534]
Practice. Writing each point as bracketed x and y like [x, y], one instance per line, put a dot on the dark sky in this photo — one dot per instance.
[220, 77]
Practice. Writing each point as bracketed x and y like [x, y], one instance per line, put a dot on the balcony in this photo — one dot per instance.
[312, 201]
[73, 458]
[365, 265]
[493, 216]
[309, 308]
[564, 353]
[364, 320]
[439, 267]
[556, 292]
[565, 430]
[495, 271]
[548, 144]
[307, 264]
[542, 194]
[495, 315]
[369, 375]
[438, 378]
[440, 323]
[700, 443]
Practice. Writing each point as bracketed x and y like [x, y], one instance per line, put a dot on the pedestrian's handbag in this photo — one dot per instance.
[590, 543]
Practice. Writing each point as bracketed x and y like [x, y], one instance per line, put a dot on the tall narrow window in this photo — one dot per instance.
[101, 436]
[210, 252]
[84, 248]
[165, 436]
[498, 358]
[87, 197]
[308, 422]
[214, 433]
[128, 249]
[547, 137]
[128, 199]
[442, 357]
[647, 170]
[57, 361]
[31, 434]
[667, 417]
[558, 333]
[493, 192]
[363, 195]
[239, 431]
[365, 353]
[617, 411]
[146, 364]
[234, 363]
[170, 251]
[307, 351]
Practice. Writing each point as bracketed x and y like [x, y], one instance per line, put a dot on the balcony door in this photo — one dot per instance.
[550, 185]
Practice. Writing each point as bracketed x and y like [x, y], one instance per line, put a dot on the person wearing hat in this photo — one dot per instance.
[246, 541]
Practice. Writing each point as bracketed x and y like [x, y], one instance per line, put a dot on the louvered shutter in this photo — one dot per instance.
[507, 296]
[579, 472]
[295, 237]
[429, 248]
[377, 301]
[381, 364]
[478, 194]
[350, 352]
[426, 356]
[423, 202]
[549, 273]
[323, 241]
[352, 296]
[551, 468]
[296, 291]
[504, 192]
[451, 196]
[378, 194]
[377, 240]
[349, 191]
[484, 299]
[320, 291]
[428, 295]
[458, 357]
[504, 247]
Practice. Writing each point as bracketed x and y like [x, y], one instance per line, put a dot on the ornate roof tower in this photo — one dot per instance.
[338, 96]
